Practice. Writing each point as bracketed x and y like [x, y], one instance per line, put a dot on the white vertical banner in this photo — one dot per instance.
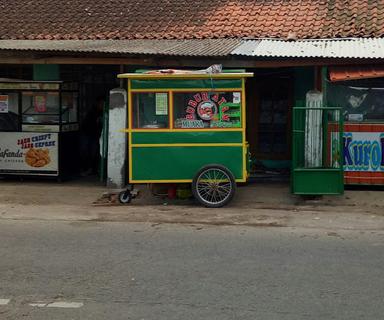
[117, 139]
[313, 148]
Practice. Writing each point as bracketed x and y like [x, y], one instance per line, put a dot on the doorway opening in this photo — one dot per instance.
[270, 99]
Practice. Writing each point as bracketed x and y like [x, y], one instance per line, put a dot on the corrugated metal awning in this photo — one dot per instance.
[357, 48]
[344, 73]
[194, 47]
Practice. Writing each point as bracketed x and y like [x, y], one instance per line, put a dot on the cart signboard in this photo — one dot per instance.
[29, 153]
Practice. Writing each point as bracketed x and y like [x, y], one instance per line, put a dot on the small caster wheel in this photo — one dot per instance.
[125, 197]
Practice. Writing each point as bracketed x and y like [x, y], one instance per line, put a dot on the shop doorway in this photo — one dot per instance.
[270, 97]
[95, 82]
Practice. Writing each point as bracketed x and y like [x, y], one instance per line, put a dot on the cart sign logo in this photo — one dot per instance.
[204, 105]
[363, 151]
[206, 110]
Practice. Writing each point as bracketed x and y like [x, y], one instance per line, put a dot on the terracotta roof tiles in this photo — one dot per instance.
[190, 19]
[343, 73]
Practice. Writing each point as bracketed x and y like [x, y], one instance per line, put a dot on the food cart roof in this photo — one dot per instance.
[187, 75]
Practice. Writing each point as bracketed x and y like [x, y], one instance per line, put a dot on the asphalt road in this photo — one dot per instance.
[89, 270]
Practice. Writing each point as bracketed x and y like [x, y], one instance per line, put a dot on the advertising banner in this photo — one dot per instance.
[4, 104]
[363, 151]
[29, 153]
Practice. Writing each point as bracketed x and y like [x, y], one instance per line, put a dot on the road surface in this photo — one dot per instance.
[52, 270]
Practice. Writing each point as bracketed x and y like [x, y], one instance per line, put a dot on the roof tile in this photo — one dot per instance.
[189, 19]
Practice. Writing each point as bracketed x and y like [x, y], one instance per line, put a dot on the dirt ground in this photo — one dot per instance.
[257, 204]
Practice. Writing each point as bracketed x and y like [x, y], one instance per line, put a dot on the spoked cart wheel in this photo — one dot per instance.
[214, 186]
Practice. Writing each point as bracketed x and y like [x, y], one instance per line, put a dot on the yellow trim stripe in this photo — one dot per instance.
[170, 118]
[162, 181]
[187, 90]
[184, 130]
[243, 119]
[172, 181]
[129, 133]
[159, 145]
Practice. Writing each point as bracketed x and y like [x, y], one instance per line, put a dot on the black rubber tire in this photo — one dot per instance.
[201, 200]
[125, 197]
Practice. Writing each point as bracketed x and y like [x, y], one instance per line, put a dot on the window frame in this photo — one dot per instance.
[171, 92]
[132, 109]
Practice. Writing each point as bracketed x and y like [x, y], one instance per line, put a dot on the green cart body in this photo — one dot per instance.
[179, 124]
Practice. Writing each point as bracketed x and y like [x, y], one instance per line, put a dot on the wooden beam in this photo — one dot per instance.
[77, 60]
[177, 61]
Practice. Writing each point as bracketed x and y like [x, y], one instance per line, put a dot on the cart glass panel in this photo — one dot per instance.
[150, 110]
[9, 112]
[194, 110]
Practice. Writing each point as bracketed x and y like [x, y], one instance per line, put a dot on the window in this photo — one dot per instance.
[361, 100]
[207, 110]
[150, 110]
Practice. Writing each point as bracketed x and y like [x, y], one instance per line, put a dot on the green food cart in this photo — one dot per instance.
[188, 128]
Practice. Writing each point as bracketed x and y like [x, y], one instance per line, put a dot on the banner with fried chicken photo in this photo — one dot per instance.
[29, 153]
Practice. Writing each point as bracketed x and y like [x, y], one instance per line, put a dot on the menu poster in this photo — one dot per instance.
[40, 103]
[4, 104]
[236, 97]
[161, 104]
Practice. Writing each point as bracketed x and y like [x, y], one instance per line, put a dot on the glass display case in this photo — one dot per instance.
[38, 124]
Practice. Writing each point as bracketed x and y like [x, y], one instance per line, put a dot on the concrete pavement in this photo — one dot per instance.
[254, 205]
